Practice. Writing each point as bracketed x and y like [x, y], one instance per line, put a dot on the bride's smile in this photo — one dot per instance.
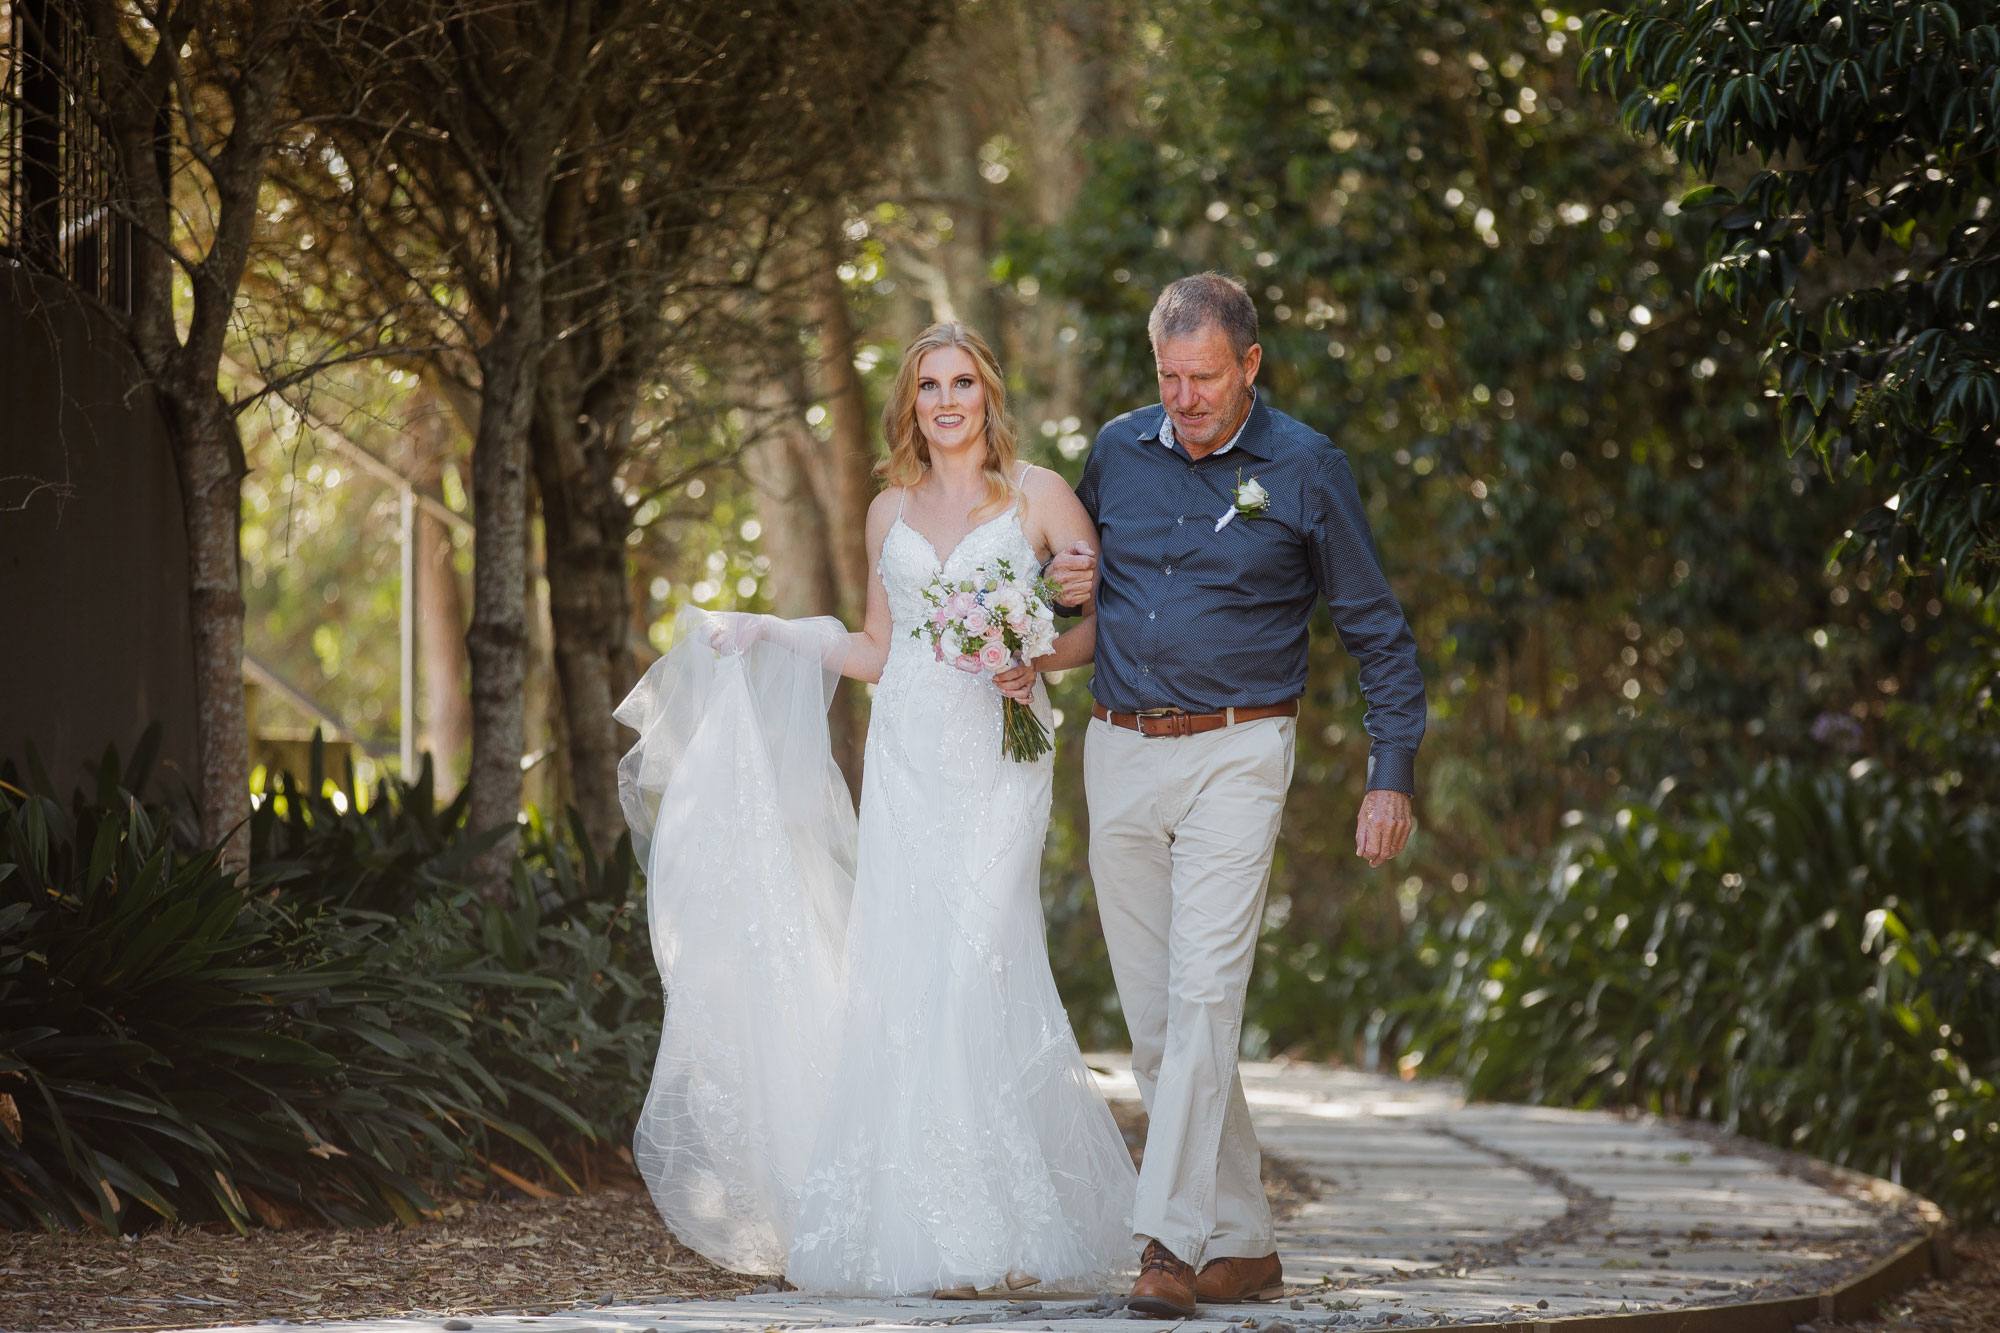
[951, 401]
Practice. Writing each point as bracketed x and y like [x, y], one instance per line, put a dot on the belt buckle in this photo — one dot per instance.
[1155, 713]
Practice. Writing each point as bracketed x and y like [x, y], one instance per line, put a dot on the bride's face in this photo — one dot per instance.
[951, 400]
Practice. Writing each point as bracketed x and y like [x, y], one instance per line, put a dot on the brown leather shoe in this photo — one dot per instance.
[1165, 1286]
[1236, 1281]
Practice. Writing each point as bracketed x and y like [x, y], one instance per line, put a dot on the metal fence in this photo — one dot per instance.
[58, 195]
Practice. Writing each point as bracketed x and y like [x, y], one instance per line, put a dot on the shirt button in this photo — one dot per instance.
[1152, 615]
[1166, 569]
[1180, 518]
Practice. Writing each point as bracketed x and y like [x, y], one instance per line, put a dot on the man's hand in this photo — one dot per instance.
[1383, 827]
[1076, 570]
[1017, 682]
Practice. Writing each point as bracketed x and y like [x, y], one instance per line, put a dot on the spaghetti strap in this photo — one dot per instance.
[1021, 496]
[902, 494]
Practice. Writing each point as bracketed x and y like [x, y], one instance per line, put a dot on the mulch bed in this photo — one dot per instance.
[481, 1256]
[1969, 1302]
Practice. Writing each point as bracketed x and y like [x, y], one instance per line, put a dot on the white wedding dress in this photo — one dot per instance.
[866, 1082]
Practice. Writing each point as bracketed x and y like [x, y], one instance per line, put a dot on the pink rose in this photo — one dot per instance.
[961, 603]
[994, 633]
[975, 621]
[967, 662]
[993, 656]
[938, 617]
[1018, 622]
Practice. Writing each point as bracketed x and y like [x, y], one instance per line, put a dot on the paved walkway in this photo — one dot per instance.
[1428, 1212]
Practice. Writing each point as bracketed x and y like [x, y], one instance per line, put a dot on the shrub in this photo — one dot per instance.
[558, 981]
[336, 1036]
[1812, 959]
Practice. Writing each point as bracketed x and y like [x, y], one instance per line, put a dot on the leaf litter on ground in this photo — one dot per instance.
[494, 1254]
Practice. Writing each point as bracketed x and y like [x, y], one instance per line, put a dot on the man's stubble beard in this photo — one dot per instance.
[1228, 425]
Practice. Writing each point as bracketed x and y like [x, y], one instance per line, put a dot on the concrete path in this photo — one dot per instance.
[1428, 1212]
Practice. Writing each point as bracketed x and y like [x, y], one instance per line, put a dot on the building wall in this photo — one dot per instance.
[94, 640]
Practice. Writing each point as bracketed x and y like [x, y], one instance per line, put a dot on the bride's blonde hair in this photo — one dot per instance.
[910, 452]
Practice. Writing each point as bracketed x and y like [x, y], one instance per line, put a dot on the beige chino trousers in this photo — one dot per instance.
[1181, 834]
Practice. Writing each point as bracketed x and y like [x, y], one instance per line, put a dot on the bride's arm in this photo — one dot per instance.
[1075, 646]
[1057, 522]
[868, 647]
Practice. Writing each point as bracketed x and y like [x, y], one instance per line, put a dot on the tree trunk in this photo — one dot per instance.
[497, 642]
[440, 607]
[584, 522]
[846, 465]
[794, 524]
[208, 459]
[964, 258]
[797, 537]
[545, 783]
[138, 71]
[844, 474]
[1069, 51]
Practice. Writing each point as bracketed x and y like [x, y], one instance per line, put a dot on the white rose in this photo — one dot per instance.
[1251, 495]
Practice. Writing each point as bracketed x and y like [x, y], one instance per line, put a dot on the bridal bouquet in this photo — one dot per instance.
[988, 622]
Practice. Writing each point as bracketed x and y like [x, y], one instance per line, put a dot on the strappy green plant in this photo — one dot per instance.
[335, 1036]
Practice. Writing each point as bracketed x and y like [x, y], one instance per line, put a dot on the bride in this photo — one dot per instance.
[866, 1078]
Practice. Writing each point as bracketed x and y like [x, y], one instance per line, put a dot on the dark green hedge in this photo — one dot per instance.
[342, 1033]
[1811, 958]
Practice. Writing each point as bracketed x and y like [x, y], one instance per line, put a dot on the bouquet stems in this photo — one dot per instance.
[1024, 739]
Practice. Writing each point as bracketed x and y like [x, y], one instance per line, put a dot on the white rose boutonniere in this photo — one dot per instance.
[1251, 501]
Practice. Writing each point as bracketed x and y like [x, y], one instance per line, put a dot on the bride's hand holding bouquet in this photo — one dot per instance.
[988, 622]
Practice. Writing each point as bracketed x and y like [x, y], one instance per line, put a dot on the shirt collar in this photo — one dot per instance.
[1168, 438]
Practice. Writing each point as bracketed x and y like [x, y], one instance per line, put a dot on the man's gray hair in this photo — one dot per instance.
[1191, 304]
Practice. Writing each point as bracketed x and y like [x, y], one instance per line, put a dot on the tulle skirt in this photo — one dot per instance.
[866, 1079]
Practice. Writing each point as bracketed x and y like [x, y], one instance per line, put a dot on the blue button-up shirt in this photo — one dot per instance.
[1201, 619]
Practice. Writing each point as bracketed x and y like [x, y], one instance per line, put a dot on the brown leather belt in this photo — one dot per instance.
[1173, 722]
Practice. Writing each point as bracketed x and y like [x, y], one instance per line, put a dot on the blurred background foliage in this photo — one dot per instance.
[1706, 805]
[1480, 285]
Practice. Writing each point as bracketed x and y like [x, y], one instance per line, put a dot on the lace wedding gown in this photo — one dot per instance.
[866, 1082]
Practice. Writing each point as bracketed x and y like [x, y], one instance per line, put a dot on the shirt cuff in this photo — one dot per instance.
[1392, 770]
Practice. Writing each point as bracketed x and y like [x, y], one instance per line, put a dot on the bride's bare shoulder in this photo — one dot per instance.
[1049, 502]
[1040, 483]
[882, 511]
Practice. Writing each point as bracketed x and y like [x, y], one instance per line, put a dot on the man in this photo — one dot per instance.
[1221, 521]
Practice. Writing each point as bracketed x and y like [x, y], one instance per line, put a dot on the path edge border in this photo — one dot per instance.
[1926, 1255]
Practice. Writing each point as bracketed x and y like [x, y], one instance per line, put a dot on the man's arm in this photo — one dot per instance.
[1075, 566]
[1375, 633]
